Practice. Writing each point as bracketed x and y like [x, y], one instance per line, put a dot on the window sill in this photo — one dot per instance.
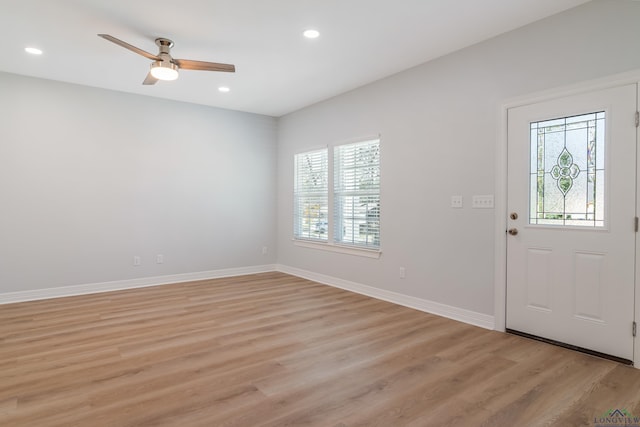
[332, 247]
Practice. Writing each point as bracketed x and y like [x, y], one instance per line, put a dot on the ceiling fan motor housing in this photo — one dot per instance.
[164, 44]
[164, 68]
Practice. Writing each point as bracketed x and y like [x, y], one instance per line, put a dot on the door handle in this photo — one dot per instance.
[513, 231]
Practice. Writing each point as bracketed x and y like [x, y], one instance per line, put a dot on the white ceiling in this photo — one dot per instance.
[278, 71]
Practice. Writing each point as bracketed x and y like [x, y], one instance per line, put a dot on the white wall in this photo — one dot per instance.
[89, 178]
[440, 126]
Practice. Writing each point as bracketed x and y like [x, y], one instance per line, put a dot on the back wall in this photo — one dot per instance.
[90, 178]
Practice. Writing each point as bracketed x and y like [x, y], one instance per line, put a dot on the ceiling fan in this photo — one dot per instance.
[164, 67]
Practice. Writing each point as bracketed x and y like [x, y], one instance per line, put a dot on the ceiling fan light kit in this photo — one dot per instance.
[164, 67]
[164, 70]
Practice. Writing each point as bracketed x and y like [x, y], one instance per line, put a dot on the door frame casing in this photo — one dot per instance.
[501, 161]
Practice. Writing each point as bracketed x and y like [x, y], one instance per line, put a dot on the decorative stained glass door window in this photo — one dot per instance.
[567, 171]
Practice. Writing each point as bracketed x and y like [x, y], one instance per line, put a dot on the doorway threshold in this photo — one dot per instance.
[571, 347]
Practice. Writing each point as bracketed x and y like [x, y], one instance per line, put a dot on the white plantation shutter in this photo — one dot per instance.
[310, 195]
[357, 194]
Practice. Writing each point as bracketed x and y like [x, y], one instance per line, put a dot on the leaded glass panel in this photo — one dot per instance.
[567, 171]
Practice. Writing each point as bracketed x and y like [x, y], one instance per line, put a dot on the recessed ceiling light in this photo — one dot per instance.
[311, 34]
[33, 50]
[223, 89]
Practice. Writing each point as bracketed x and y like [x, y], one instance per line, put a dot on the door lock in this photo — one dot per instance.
[513, 215]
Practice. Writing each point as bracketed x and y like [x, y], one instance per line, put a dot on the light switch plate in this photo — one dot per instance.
[482, 202]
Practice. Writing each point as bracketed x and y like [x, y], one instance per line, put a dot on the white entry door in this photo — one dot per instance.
[571, 206]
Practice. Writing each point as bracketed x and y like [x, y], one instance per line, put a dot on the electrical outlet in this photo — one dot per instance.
[402, 272]
[482, 202]
[137, 261]
[159, 259]
[265, 250]
[456, 202]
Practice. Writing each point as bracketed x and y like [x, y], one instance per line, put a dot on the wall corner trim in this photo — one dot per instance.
[92, 288]
[460, 314]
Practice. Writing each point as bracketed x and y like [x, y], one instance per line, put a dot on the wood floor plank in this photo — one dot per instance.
[619, 389]
[276, 350]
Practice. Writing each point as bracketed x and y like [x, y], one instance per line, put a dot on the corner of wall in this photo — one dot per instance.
[455, 313]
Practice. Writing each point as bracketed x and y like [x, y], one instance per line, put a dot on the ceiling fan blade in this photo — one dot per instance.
[187, 64]
[128, 46]
[149, 80]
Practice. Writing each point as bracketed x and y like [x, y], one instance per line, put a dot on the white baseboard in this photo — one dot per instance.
[455, 313]
[91, 288]
[460, 314]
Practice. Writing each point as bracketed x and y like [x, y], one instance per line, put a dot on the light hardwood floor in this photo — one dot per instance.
[276, 350]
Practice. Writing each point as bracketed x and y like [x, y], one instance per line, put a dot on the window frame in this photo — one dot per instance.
[305, 194]
[331, 243]
[356, 193]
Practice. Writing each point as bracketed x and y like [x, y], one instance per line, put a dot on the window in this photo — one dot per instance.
[310, 195]
[356, 200]
[354, 175]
